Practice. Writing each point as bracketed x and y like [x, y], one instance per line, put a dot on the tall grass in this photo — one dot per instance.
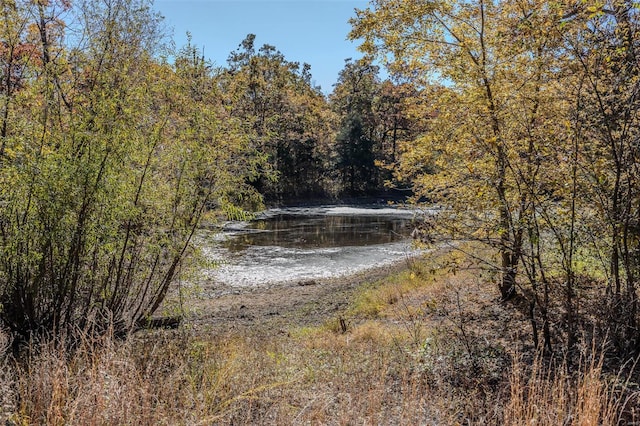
[331, 379]
[430, 353]
[322, 378]
[544, 395]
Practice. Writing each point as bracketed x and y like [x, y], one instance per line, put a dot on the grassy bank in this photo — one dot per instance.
[426, 345]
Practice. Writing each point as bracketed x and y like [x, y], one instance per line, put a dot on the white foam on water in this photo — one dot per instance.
[343, 211]
[268, 264]
[263, 265]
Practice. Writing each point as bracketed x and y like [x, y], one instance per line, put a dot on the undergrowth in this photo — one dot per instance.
[429, 345]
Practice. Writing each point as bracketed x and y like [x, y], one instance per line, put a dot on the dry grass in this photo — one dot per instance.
[321, 379]
[541, 395]
[419, 349]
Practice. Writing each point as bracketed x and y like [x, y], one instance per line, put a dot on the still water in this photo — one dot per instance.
[296, 244]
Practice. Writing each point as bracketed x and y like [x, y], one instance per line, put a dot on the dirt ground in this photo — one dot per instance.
[275, 307]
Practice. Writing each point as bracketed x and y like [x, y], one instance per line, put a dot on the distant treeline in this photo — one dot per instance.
[315, 146]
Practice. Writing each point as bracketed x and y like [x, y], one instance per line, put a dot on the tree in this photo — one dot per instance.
[353, 98]
[200, 114]
[110, 160]
[392, 107]
[483, 119]
[16, 56]
[602, 43]
[288, 119]
[531, 141]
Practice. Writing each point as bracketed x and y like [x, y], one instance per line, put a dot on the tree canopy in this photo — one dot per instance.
[530, 138]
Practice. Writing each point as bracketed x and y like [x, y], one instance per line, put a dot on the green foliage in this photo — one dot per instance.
[286, 118]
[352, 98]
[109, 158]
[375, 123]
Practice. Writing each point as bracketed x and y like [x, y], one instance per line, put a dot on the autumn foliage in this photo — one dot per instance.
[532, 143]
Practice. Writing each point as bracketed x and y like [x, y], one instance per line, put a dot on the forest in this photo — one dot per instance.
[519, 119]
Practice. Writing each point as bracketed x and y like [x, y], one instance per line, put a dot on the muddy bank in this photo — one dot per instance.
[274, 308]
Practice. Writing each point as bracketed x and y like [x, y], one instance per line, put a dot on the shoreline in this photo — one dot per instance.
[274, 308]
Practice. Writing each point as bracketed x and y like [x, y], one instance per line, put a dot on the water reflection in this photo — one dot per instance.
[320, 231]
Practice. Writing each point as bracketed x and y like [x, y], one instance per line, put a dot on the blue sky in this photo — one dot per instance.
[312, 31]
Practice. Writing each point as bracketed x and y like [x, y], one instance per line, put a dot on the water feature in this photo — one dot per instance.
[297, 244]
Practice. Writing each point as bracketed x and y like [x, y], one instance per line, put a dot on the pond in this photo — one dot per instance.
[297, 244]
